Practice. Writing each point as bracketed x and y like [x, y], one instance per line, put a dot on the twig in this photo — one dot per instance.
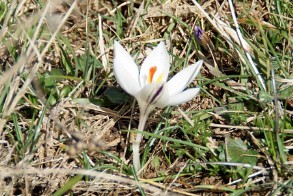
[102, 45]
[218, 25]
[290, 131]
[174, 180]
[6, 172]
[242, 44]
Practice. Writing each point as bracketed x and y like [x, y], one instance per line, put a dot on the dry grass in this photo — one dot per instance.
[64, 120]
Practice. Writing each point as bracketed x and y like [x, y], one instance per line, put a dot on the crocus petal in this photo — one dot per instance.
[151, 93]
[163, 99]
[183, 97]
[148, 96]
[158, 58]
[182, 79]
[125, 70]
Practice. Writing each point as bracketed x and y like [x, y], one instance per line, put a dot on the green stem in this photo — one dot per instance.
[136, 144]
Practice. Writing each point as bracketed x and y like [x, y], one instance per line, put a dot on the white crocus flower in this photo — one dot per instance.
[149, 86]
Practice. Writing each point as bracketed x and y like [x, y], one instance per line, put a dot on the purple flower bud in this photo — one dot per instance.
[202, 39]
[198, 33]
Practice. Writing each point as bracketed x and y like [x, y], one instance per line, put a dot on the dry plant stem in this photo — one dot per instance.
[4, 26]
[241, 41]
[102, 45]
[136, 144]
[7, 172]
[217, 26]
[289, 131]
[30, 54]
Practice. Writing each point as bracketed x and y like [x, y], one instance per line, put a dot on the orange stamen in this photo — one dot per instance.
[152, 72]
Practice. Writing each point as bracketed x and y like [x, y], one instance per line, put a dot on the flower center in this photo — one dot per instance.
[151, 74]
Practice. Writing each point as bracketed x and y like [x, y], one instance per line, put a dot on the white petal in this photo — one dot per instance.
[158, 57]
[182, 79]
[151, 93]
[125, 70]
[148, 96]
[163, 100]
[183, 97]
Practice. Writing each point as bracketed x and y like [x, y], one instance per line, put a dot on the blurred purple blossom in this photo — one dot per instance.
[202, 38]
[198, 32]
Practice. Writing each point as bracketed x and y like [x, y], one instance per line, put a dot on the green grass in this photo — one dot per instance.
[65, 124]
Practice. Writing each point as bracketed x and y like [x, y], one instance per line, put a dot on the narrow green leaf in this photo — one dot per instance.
[68, 185]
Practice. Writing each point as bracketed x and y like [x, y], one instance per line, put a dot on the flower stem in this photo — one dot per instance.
[136, 143]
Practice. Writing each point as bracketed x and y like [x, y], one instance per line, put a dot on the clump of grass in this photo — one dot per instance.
[65, 124]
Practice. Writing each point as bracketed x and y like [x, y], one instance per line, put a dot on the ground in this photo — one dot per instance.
[66, 125]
